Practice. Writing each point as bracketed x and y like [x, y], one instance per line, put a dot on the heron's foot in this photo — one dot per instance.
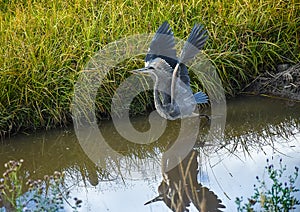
[207, 117]
[199, 115]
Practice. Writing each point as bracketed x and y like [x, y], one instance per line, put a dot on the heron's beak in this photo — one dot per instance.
[158, 198]
[143, 71]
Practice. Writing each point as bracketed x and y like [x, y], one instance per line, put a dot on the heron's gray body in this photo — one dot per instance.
[184, 103]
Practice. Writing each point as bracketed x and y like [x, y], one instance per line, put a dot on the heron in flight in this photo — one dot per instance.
[173, 96]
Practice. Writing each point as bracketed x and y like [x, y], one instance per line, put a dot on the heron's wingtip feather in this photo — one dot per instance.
[194, 43]
[163, 45]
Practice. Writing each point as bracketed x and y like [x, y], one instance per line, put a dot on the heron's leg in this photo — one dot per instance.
[201, 115]
[204, 116]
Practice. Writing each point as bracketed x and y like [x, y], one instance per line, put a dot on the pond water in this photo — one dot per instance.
[124, 179]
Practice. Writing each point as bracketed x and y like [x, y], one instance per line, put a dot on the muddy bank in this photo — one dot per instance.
[284, 82]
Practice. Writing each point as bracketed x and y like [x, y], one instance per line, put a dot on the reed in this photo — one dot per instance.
[44, 45]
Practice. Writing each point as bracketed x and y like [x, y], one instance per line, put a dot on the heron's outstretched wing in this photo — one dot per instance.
[162, 45]
[191, 47]
[194, 43]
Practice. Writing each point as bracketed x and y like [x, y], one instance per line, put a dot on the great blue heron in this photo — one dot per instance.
[173, 97]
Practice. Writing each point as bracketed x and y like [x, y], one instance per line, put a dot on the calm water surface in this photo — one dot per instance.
[257, 129]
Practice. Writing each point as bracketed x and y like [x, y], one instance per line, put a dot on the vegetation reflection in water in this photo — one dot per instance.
[252, 124]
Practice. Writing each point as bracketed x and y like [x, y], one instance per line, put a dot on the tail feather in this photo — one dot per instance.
[201, 97]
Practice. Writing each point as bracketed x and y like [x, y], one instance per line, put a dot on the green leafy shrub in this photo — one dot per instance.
[35, 195]
[281, 196]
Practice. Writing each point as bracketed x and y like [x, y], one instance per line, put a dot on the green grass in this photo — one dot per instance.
[44, 45]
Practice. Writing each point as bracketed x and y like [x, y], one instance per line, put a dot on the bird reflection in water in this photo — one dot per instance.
[180, 188]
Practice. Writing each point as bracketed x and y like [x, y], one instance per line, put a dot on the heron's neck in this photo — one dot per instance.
[158, 86]
[174, 77]
[161, 86]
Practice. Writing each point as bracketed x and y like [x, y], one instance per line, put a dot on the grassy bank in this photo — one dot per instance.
[43, 46]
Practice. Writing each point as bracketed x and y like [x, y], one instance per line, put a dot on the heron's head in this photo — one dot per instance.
[157, 67]
[144, 71]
